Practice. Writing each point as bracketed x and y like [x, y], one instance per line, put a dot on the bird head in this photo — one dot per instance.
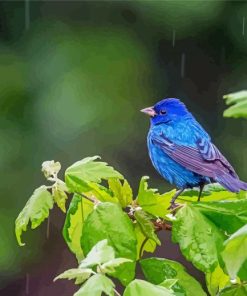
[166, 111]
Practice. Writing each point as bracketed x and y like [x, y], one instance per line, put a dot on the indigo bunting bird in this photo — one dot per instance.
[182, 151]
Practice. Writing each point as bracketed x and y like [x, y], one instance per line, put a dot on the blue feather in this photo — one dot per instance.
[182, 151]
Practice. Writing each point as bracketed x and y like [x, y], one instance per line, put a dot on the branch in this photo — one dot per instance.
[158, 224]
[162, 225]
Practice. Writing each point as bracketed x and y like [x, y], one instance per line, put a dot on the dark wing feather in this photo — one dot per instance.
[211, 153]
[203, 160]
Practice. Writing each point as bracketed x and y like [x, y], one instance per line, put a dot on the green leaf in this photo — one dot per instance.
[77, 274]
[239, 109]
[96, 285]
[110, 266]
[77, 213]
[59, 195]
[234, 253]
[143, 288]
[242, 274]
[88, 170]
[169, 283]
[157, 270]
[199, 239]
[100, 192]
[211, 192]
[236, 290]
[99, 254]
[36, 210]
[151, 201]
[60, 198]
[122, 192]
[146, 245]
[216, 281]
[108, 221]
[227, 215]
[147, 227]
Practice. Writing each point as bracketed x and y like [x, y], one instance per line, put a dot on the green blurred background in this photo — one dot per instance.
[73, 77]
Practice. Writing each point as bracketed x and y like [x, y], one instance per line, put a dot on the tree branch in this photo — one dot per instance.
[162, 225]
[158, 224]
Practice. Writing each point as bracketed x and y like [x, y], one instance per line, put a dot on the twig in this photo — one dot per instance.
[159, 225]
[162, 225]
[92, 199]
[142, 246]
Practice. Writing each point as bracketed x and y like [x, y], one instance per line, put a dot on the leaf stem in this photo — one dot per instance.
[116, 292]
[142, 246]
[92, 199]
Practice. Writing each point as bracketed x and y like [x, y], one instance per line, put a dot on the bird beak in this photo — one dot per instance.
[149, 111]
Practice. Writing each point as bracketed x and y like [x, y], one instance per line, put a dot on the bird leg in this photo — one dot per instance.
[200, 192]
[176, 195]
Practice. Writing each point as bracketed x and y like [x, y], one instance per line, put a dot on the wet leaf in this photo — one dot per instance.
[108, 221]
[96, 285]
[151, 201]
[199, 239]
[157, 270]
[77, 213]
[77, 274]
[36, 211]
[100, 253]
[88, 170]
[147, 227]
[217, 280]
[234, 253]
[143, 288]
[122, 191]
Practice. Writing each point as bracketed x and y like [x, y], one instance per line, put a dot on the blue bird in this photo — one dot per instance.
[182, 151]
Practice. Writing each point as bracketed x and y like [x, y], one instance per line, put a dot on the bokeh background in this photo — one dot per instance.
[73, 77]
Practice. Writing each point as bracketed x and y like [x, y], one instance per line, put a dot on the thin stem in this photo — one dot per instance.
[142, 246]
[116, 292]
[93, 200]
[82, 212]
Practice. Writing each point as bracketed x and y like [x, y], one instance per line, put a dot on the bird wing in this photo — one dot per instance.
[204, 159]
[211, 153]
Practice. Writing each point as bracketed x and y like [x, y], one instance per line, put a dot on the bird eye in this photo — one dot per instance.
[163, 112]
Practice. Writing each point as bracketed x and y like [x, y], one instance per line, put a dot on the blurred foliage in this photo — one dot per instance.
[239, 102]
[174, 15]
[74, 81]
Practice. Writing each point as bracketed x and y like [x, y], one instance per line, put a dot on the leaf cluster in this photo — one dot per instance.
[108, 229]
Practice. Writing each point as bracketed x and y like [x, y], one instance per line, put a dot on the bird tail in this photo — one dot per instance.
[231, 183]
